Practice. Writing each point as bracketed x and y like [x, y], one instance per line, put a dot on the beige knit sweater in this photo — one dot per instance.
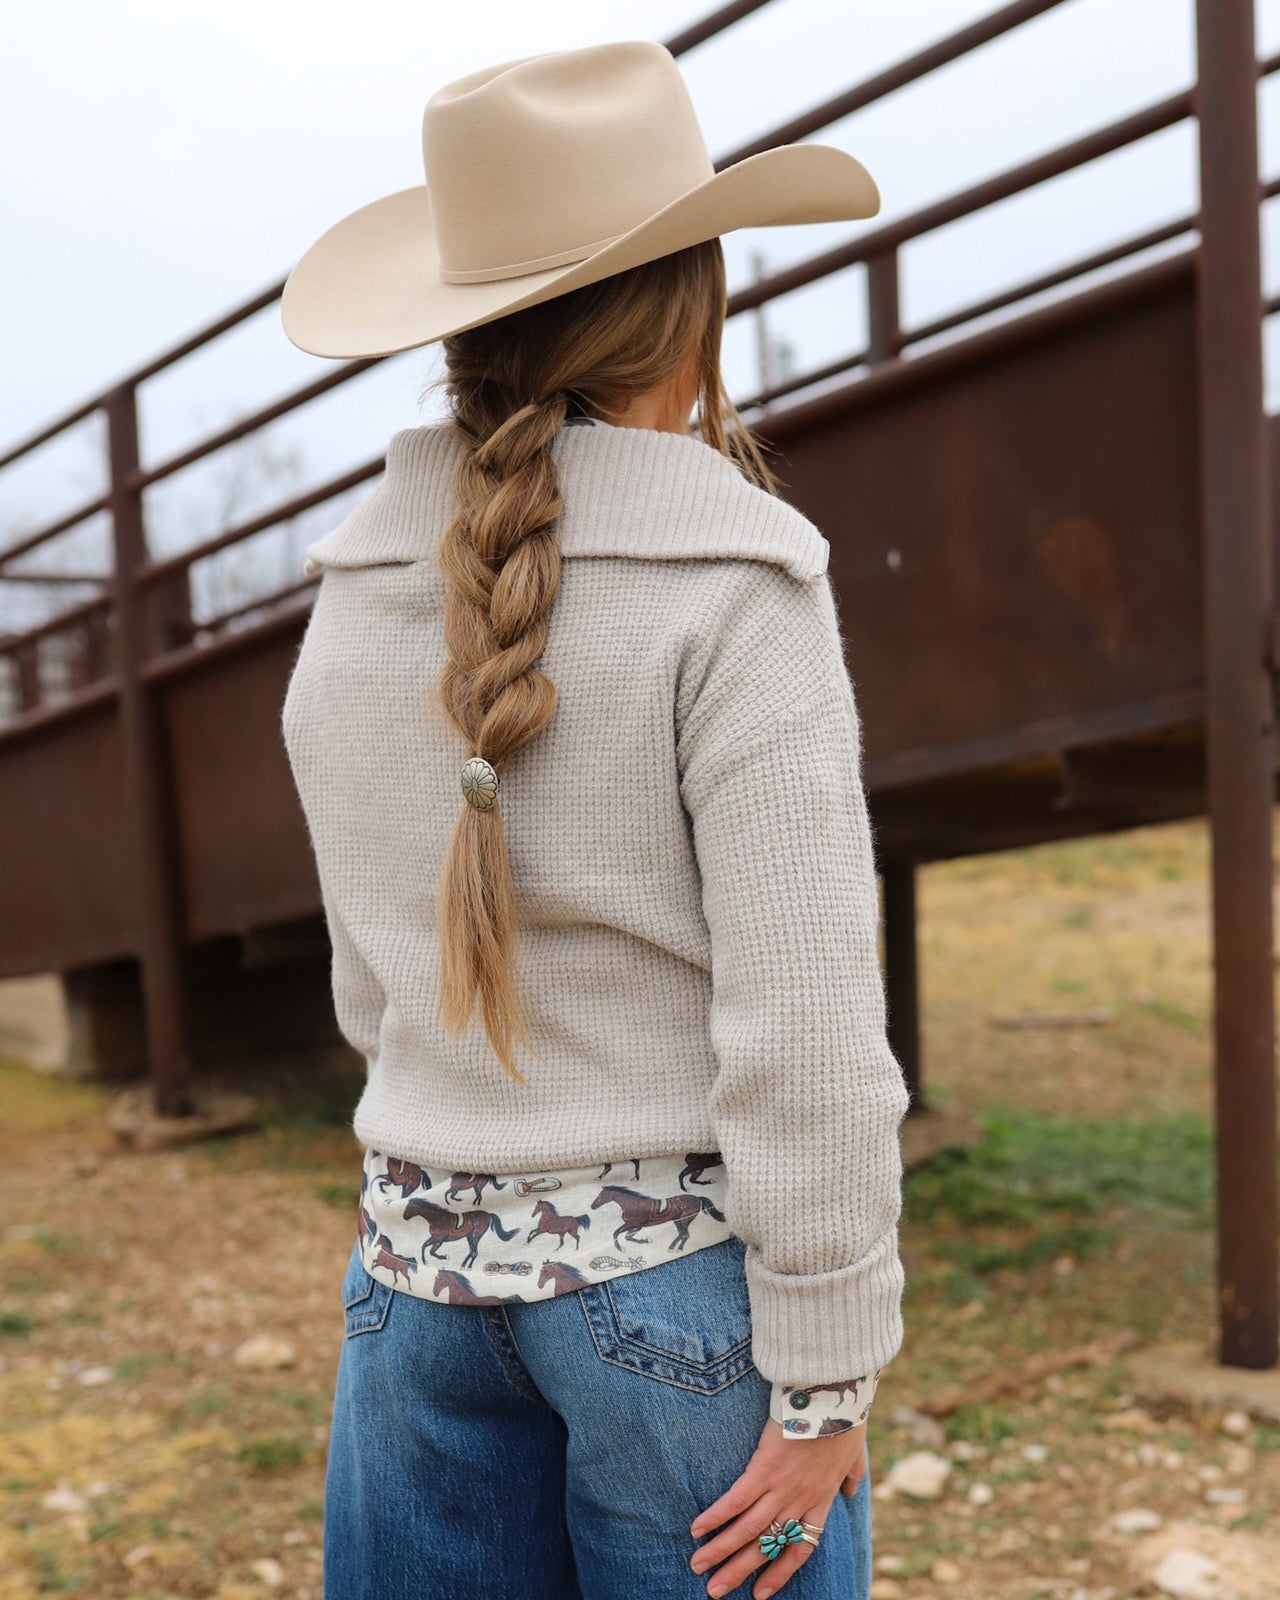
[692, 857]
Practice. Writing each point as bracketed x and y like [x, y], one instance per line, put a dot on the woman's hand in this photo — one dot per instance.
[784, 1478]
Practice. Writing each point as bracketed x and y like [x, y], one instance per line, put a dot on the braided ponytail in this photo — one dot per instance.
[503, 561]
[511, 385]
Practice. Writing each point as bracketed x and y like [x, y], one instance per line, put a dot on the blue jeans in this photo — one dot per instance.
[556, 1449]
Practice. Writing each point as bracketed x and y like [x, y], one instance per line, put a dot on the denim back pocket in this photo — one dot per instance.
[686, 1321]
[366, 1302]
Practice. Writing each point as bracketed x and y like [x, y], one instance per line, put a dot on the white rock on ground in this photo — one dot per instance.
[981, 1494]
[1191, 1576]
[1138, 1520]
[922, 1475]
[1247, 1559]
[269, 1571]
[1236, 1423]
[265, 1350]
[64, 1499]
[923, 1428]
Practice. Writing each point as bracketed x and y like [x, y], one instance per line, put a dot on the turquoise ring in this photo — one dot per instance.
[781, 1535]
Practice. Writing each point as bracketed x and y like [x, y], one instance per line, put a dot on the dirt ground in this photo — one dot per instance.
[139, 1458]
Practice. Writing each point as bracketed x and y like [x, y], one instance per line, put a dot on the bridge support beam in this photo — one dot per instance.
[1239, 710]
[153, 834]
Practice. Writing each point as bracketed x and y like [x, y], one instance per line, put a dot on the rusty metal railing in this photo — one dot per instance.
[158, 601]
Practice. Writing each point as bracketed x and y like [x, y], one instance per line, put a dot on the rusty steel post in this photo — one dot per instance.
[1237, 596]
[30, 688]
[902, 972]
[156, 875]
[884, 318]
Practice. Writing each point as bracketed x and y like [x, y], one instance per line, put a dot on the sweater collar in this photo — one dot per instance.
[628, 492]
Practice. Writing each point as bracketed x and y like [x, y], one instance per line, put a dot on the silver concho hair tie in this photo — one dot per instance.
[479, 783]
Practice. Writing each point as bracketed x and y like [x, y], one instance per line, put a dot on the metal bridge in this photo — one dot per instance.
[1051, 539]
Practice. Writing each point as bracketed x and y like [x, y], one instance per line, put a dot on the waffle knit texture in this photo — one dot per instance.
[692, 856]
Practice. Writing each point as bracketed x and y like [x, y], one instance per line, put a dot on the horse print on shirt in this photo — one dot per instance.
[410, 1217]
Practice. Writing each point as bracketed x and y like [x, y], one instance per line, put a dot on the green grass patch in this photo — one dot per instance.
[140, 1362]
[919, 1558]
[61, 1244]
[1046, 1244]
[1176, 1015]
[273, 1452]
[1261, 1519]
[293, 1137]
[1029, 1163]
[206, 1402]
[312, 1404]
[980, 1423]
[87, 1312]
[50, 1578]
[16, 1324]
[1097, 861]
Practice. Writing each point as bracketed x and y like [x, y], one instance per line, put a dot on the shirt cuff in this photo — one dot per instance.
[821, 1409]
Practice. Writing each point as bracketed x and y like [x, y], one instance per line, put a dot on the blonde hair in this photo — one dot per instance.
[511, 385]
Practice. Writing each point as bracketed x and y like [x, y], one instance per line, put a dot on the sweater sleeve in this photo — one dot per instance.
[808, 1098]
[359, 999]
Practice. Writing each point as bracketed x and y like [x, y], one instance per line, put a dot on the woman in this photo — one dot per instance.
[615, 1313]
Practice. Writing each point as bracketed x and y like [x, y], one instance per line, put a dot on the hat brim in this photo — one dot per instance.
[371, 284]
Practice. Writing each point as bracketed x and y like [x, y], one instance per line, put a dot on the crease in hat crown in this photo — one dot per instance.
[497, 143]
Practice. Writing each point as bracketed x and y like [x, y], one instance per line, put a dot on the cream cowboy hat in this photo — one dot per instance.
[544, 174]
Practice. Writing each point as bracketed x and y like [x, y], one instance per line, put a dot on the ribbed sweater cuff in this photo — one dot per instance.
[822, 1327]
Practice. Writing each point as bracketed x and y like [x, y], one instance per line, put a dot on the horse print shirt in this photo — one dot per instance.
[477, 1238]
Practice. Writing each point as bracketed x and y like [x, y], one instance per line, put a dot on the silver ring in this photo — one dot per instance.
[810, 1531]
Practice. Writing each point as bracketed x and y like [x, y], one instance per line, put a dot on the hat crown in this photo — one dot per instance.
[538, 162]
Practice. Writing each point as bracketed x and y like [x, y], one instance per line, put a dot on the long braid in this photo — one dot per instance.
[502, 557]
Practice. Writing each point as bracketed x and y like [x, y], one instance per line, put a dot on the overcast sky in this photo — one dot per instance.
[164, 161]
